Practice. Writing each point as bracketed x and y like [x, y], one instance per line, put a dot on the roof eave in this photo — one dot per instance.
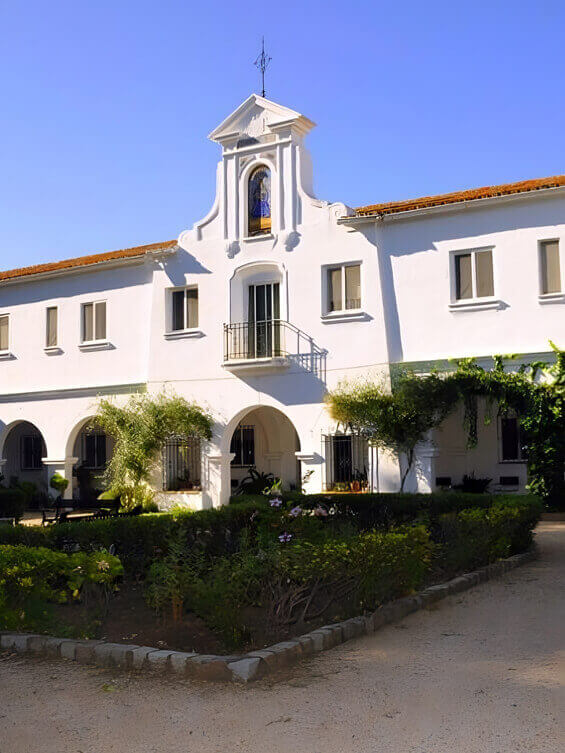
[92, 267]
[450, 207]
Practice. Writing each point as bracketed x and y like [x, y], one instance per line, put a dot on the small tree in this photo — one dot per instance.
[394, 420]
[140, 429]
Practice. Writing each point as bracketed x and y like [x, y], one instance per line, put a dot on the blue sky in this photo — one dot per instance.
[106, 105]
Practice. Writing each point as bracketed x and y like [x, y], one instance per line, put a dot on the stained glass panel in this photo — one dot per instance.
[259, 201]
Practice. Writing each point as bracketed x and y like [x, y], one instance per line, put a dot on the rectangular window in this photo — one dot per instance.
[550, 267]
[182, 464]
[31, 453]
[243, 446]
[94, 450]
[184, 309]
[347, 462]
[4, 332]
[51, 327]
[344, 287]
[474, 275]
[511, 440]
[94, 321]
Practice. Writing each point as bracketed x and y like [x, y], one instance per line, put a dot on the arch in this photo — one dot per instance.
[253, 273]
[23, 450]
[74, 432]
[274, 442]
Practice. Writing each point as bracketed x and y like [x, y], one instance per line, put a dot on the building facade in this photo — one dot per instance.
[268, 302]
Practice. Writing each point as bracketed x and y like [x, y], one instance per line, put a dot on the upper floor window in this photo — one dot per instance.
[344, 287]
[94, 321]
[550, 267]
[184, 309]
[474, 275]
[4, 333]
[259, 201]
[51, 317]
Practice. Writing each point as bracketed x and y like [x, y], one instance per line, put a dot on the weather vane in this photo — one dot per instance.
[262, 62]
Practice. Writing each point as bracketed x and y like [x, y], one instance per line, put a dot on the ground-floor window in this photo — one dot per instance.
[182, 458]
[243, 445]
[511, 440]
[94, 450]
[31, 453]
[347, 462]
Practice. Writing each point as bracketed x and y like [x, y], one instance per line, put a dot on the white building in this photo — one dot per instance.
[268, 302]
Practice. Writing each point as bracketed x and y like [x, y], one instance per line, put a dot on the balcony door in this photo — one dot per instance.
[263, 320]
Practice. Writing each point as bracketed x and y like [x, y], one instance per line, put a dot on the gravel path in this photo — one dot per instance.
[483, 672]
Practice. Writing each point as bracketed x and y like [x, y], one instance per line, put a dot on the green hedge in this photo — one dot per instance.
[141, 539]
[12, 503]
[31, 577]
[367, 511]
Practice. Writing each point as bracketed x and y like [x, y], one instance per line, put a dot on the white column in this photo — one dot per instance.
[218, 480]
[424, 468]
[312, 464]
[65, 468]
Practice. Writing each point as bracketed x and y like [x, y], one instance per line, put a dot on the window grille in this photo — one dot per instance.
[182, 464]
[347, 462]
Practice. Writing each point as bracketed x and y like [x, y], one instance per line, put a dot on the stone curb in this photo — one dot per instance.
[255, 664]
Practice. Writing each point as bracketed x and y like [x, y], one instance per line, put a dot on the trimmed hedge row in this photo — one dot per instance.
[139, 540]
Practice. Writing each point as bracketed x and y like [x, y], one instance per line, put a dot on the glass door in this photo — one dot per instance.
[263, 321]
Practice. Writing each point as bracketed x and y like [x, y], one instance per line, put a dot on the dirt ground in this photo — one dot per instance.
[483, 672]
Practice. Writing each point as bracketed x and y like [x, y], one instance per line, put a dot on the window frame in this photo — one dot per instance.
[6, 351]
[84, 436]
[521, 459]
[95, 340]
[55, 346]
[33, 437]
[244, 191]
[558, 294]
[326, 271]
[474, 299]
[240, 428]
[170, 331]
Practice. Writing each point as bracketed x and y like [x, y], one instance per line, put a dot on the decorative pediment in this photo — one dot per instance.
[257, 118]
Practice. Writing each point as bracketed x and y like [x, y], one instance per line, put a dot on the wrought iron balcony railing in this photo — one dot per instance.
[270, 339]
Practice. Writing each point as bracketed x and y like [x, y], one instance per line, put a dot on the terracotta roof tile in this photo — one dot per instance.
[85, 261]
[486, 192]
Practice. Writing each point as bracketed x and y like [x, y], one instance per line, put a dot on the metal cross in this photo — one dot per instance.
[262, 62]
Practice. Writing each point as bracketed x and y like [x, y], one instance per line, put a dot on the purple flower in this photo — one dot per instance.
[295, 512]
[284, 538]
[276, 502]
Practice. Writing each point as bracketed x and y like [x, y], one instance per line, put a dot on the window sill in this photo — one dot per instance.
[52, 350]
[512, 462]
[255, 238]
[6, 355]
[476, 304]
[95, 345]
[180, 334]
[545, 298]
[348, 315]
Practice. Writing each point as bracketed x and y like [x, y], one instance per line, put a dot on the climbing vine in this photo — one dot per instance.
[535, 392]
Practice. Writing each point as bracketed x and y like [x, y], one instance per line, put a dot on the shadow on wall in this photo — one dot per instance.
[417, 236]
[181, 264]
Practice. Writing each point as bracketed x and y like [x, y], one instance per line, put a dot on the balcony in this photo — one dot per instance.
[270, 345]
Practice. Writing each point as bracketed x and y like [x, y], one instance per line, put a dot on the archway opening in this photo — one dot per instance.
[93, 450]
[23, 451]
[265, 440]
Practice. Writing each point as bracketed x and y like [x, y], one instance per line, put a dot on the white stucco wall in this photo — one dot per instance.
[405, 312]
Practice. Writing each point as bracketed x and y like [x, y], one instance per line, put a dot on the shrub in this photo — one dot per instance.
[32, 577]
[300, 582]
[12, 503]
[477, 536]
